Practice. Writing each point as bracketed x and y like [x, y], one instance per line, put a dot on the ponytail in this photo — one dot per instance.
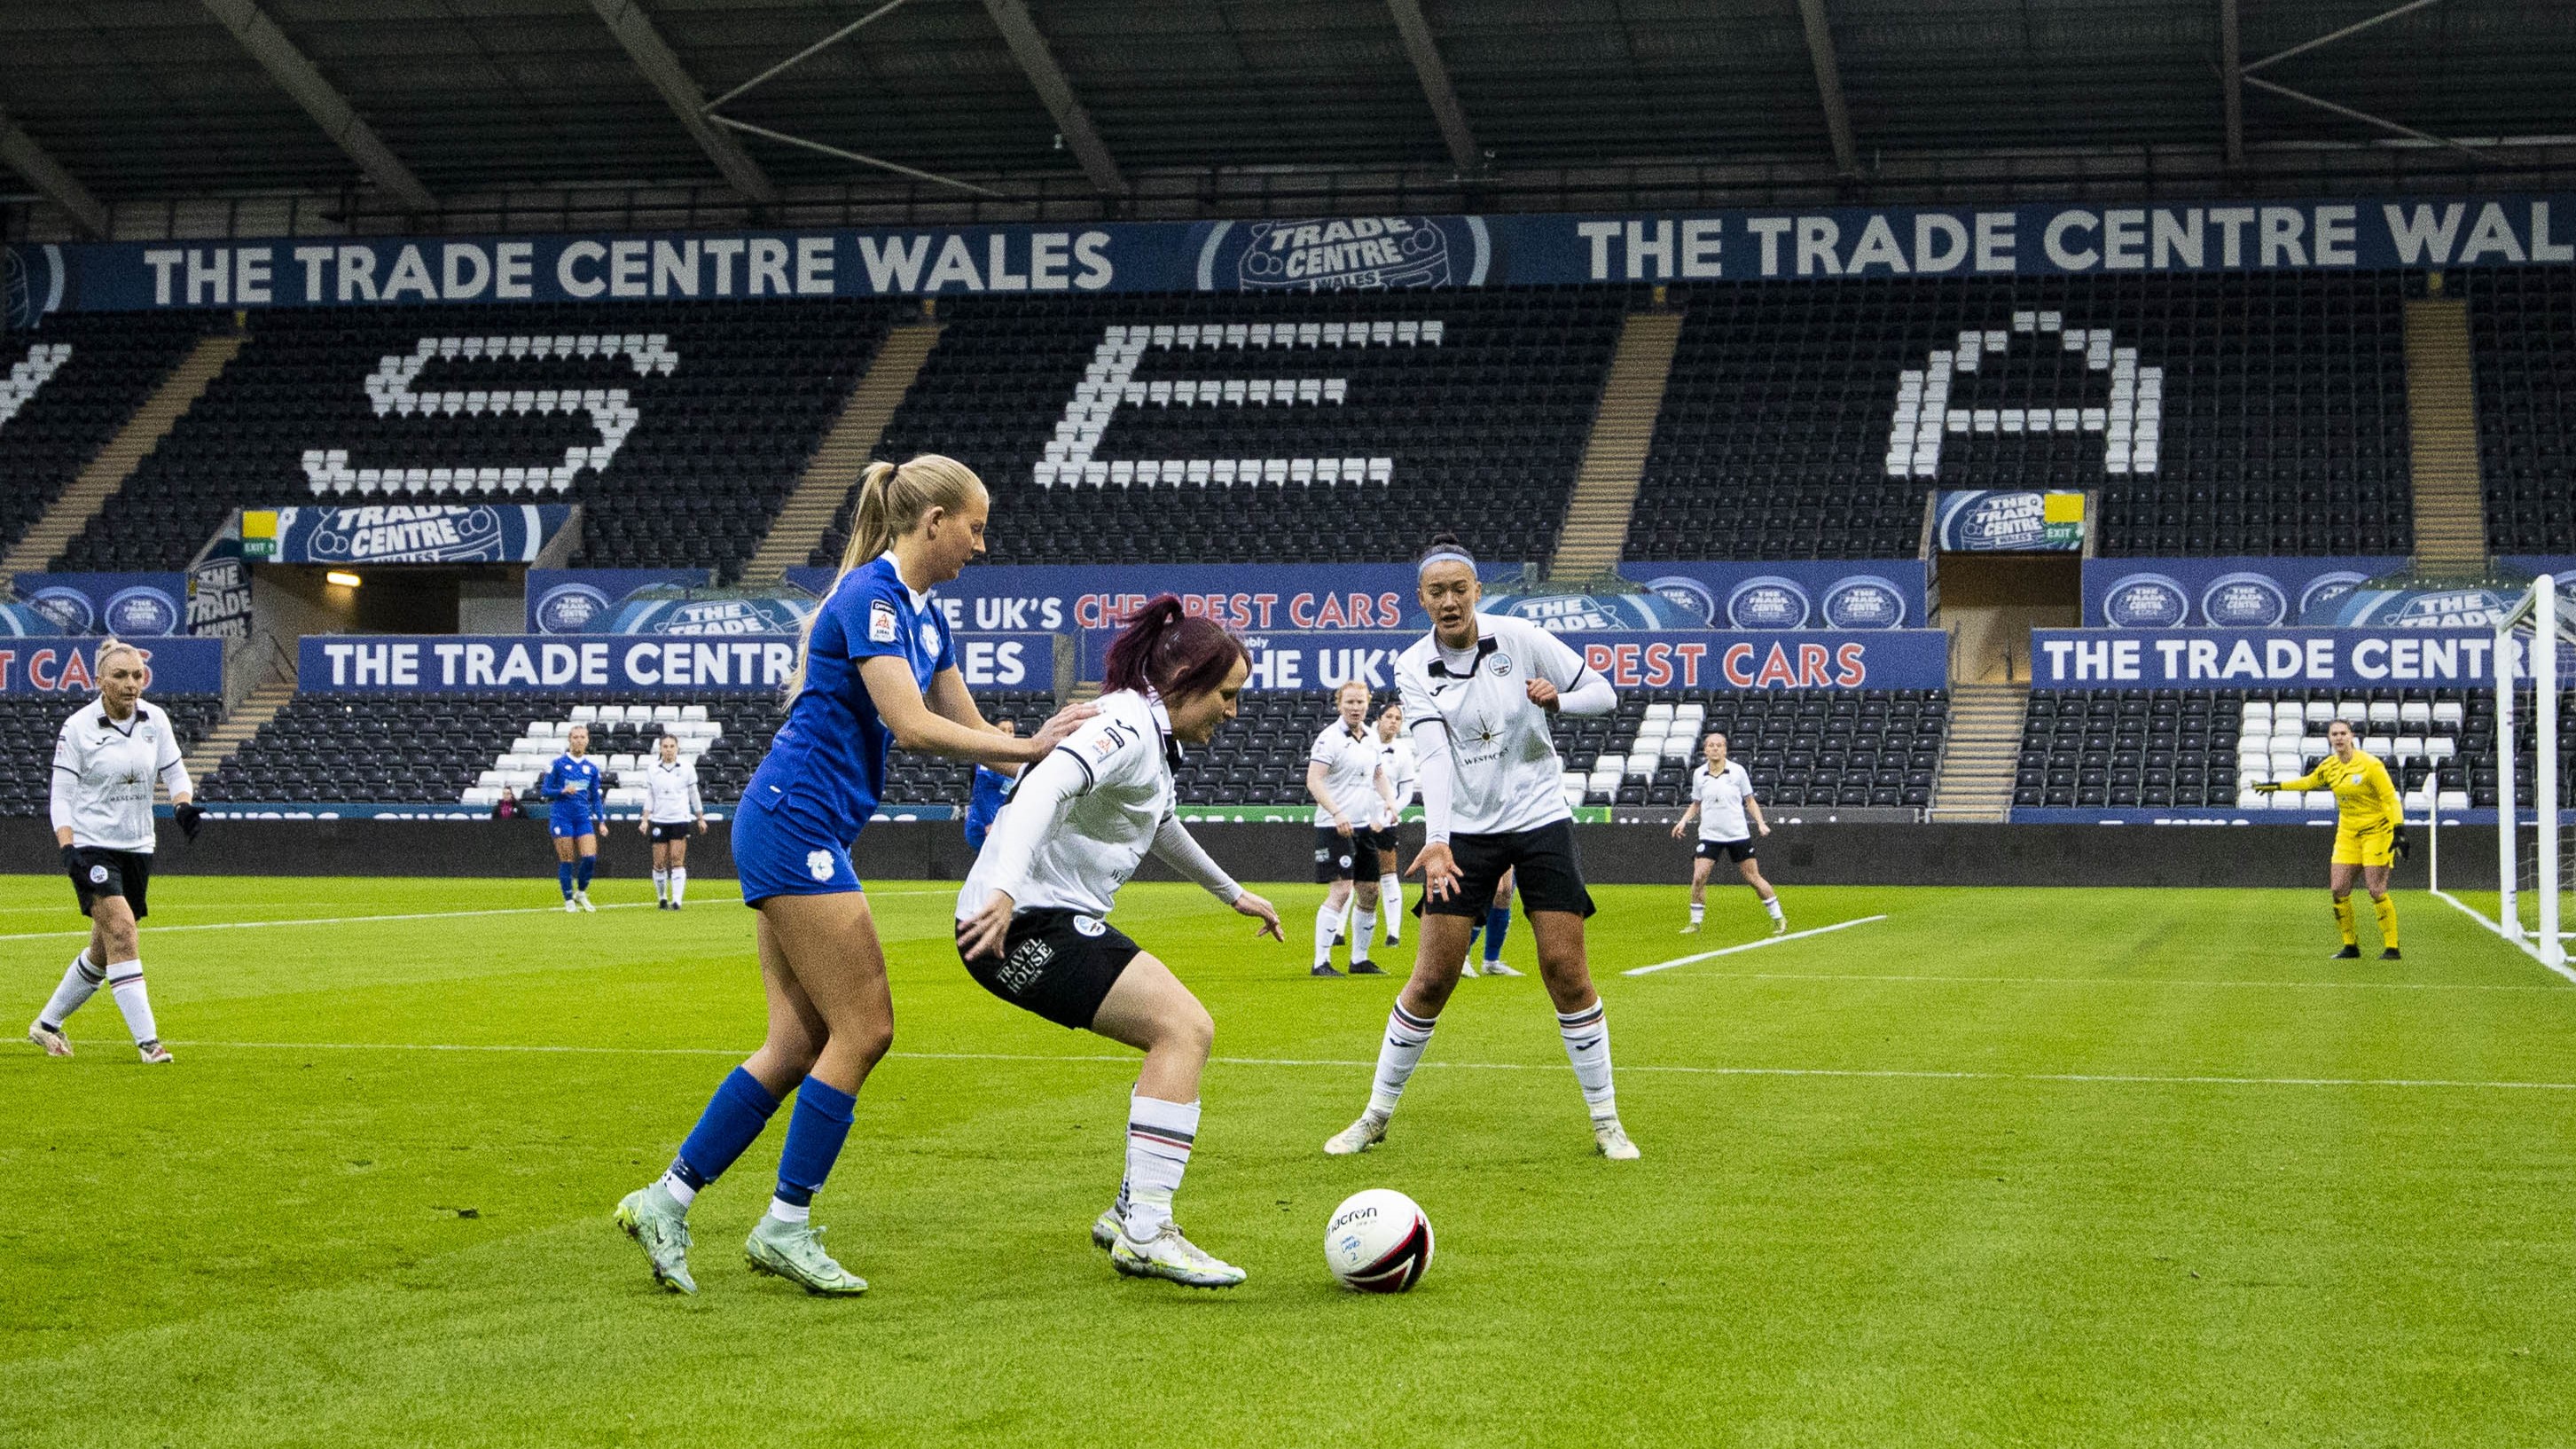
[893, 500]
[1170, 652]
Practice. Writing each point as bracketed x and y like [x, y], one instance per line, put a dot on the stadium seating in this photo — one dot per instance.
[1803, 749]
[30, 724]
[2278, 403]
[2199, 748]
[2522, 336]
[1329, 428]
[65, 390]
[449, 749]
[679, 426]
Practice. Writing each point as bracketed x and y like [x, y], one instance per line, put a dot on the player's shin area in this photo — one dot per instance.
[1439, 960]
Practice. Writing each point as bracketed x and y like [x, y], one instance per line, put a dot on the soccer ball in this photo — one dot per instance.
[1378, 1241]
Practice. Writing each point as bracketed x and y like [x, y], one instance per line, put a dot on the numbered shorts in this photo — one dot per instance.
[1543, 866]
[671, 833]
[1337, 855]
[782, 851]
[1059, 964]
[1738, 851]
[2375, 845]
[102, 873]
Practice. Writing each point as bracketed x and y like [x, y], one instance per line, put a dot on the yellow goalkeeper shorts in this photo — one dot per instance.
[2372, 846]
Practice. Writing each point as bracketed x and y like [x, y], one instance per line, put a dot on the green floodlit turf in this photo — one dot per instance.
[2010, 1167]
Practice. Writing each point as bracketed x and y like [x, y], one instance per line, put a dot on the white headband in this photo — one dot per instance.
[1443, 554]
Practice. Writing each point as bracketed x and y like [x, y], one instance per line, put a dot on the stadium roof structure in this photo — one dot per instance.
[435, 113]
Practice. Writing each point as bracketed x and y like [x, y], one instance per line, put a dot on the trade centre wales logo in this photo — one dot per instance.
[2146, 601]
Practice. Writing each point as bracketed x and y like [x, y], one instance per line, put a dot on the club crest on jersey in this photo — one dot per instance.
[1089, 925]
[1502, 665]
[929, 637]
[882, 628]
[818, 864]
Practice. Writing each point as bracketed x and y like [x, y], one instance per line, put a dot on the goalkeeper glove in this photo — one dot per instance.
[2267, 788]
[189, 816]
[2400, 844]
[72, 866]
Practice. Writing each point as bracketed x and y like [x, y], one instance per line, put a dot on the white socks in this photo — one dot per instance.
[125, 979]
[790, 1212]
[1406, 1036]
[80, 983]
[1366, 932]
[1587, 1046]
[1699, 911]
[1771, 903]
[679, 885]
[1390, 900]
[680, 1191]
[1159, 1137]
[661, 885]
[1328, 924]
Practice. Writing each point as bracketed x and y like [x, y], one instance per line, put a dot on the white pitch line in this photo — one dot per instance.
[555, 910]
[2138, 1079]
[2483, 919]
[2148, 981]
[1750, 946]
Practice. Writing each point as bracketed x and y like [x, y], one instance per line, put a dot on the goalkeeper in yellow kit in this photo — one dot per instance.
[2370, 831]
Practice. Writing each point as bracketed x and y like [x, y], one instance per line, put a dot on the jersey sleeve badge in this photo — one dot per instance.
[882, 625]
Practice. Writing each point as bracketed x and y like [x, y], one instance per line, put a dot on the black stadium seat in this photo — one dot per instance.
[29, 725]
[95, 372]
[2522, 338]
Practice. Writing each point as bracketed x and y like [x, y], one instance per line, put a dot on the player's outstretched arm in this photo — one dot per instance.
[916, 726]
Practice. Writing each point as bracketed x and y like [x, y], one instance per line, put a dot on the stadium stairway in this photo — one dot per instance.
[2442, 424]
[1983, 749]
[846, 448]
[1614, 459]
[45, 540]
[234, 731]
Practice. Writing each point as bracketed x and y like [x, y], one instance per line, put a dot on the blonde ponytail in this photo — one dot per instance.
[893, 500]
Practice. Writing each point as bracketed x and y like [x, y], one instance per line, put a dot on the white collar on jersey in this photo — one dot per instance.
[920, 597]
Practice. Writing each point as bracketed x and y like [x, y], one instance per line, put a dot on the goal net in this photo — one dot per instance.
[2534, 696]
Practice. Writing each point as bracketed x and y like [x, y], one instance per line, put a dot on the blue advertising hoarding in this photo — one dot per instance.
[591, 601]
[676, 665]
[2222, 593]
[1876, 659]
[2259, 658]
[174, 665]
[403, 534]
[1851, 595]
[1307, 254]
[1994, 520]
[130, 606]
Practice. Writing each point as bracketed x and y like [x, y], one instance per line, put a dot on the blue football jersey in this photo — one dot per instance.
[992, 789]
[584, 803]
[828, 760]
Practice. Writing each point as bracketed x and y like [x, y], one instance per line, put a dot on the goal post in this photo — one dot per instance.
[2533, 850]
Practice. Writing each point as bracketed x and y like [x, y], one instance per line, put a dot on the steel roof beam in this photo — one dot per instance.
[1829, 86]
[21, 153]
[297, 76]
[1427, 63]
[1072, 122]
[653, 56]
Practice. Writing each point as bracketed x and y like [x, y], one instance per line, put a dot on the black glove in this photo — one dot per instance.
[2267, 788]
[2400, 844]
[72, 867]
[189, 816]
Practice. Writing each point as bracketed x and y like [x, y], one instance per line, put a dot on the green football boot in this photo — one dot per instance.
[794, 1251]
[659, 1225]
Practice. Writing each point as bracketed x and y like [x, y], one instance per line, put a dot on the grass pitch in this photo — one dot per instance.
[2008, 1167]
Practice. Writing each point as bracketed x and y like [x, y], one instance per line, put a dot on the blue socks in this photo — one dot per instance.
[581, 872]
[815, 1132]
[563, 877]
[740, 1108]
[1498, 924]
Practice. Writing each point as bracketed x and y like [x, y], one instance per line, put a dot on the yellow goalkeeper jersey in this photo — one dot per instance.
[2365, 797]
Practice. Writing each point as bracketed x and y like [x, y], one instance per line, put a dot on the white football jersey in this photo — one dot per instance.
[1350, 773]
[1504, 765]
[671, 792]
[1126, 754]
[1395, 757]
[103, 774]
[1721, 798]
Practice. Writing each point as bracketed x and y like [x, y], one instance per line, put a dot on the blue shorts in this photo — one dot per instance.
[568, 823]
[781, 851]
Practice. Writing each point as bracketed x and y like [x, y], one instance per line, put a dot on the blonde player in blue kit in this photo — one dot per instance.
[878, 669]
[571, 789]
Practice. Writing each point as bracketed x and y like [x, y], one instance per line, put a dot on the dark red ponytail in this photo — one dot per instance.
[1171, 652]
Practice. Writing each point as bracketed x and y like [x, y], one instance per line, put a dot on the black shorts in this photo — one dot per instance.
[1738, 851]
[126, 873]
[1337, 855]
[670, 834]
[1542, 862]
[1058, 964]
[1380, 838]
